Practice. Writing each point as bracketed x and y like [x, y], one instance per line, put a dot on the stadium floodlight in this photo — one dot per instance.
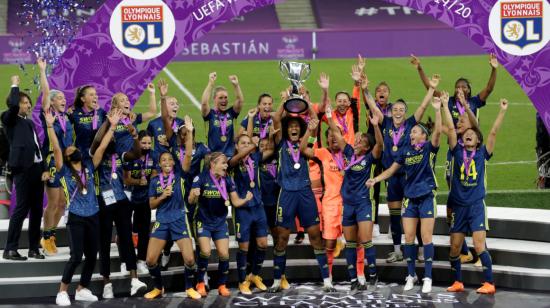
[296, 73]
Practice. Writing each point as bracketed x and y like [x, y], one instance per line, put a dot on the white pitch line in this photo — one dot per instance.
[503, 163]
[183, 89]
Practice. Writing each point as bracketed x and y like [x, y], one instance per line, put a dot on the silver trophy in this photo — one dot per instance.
[296, 73]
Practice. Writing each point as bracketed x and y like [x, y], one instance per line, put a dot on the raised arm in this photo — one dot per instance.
[250, 124]
[10, 116]
[450, 126]
[44, 85]
[205, 100]
[464, 103]
[135, 152]
[306, 145]
[369, 100]
[99, 136]
[496, 126]
[278, 116]
[270, 149]
[335, 130]
[166, 121]
[493, 62]
[238, 202]
[419, 113]
[415, 61]
[186, 163]
[239, 100]
[324, 83]
[114, 118]
[379, 145]
[384, 175]
[237, 158]
[436, 136]
[57, 153]
[152, 111]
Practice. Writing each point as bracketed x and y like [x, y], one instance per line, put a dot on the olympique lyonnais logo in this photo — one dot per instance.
[521, 22]
[520, 27]
[142, 29]
[142, 26]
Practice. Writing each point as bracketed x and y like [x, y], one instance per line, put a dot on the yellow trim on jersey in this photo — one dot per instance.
[434, 192]
[65, 190]
[432, 167]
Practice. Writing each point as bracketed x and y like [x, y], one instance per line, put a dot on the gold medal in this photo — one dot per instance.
[252, 184]
[394, 148]
[223, 138]
[296, 166]
[84, 191]
[227, 203]
[114, 176]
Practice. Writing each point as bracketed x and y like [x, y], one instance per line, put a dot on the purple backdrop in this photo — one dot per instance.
[370, 15]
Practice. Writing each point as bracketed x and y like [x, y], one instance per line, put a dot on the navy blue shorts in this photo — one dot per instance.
[421, 207]
[55, 177]
[175, 230]
[214, 231]
[271, 215]
[354, 214]
[247, 219]
[471, 218]
[396, 188]
[297, 203]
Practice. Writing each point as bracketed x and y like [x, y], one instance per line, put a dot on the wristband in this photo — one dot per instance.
[311, 140]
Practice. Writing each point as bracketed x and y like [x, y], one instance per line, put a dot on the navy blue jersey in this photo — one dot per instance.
[475, 103]
[268, 182]
[156, 129]
[468, 186]
[388, 130]
[171, 208]
[260, 125]
[141, 168]
[289, 178]
[418, 166]
[354, 191]
[106, 180]
[211, 209]
[216, 141]
[83, 124]
[123, 139]
[242, 179]
[65, 138]
[199, 153]
[80, 202]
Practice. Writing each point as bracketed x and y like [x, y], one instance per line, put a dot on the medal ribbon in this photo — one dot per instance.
[295, 154]
[249, 164]
[220, 185]
[467, 160]
[62, 122]
[223, 122]
[354, 161]
[460, 108]
[113, 164]
[263, 129]
[170, 179]
[397, 135]
[342, 121]
[144, 166]
[339, 159]
[272, 169]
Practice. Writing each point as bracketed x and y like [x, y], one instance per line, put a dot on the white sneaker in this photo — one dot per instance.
[164, 260]
[62, 299]
[137, 286]
[108, 291]
[410, 281]
[376, 231]
[427, 287]
[142, 267]
[85, 295]
[123, 269]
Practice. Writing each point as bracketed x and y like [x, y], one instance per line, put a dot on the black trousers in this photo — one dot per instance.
[142, 226]
[30, 195]
[83, 240]
[121, 214]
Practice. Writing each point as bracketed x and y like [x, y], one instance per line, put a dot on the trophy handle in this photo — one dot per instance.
[307, 70]
[283, 69]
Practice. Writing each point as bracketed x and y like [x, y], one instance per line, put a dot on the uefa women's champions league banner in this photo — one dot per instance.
[127, 43]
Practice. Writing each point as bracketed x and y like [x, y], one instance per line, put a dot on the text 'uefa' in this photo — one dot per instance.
[210, 8]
